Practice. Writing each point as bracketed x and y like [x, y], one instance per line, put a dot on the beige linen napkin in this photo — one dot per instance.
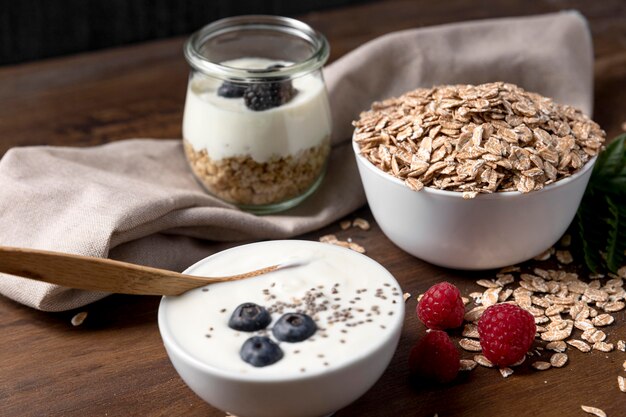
[137, 201]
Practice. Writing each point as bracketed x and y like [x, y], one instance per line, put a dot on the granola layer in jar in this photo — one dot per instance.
[242, 180]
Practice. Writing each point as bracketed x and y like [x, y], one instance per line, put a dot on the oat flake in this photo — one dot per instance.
[593, 410]
[79, 318]
[467, 365]
[558, 360]
[541, 365]
[471, 345]
[483, 361]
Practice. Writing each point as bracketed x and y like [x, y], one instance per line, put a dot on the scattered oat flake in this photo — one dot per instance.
[345, 225]
[557, 346]
[506, 372]
[490, 296]
[406, 296]
[614, 306]
[597, 336]
[558, 360]
[624, 365]
[603, 320]
[361, 223]
[476, 296]
[603, 346]
[579, 344]
[470, 330]
[79, 318]
[487, 283]
[356, 247]
[543, 256]
[328, 239]
[470, 345]
[621, 383]
[621, 345]
[467, 365]
[475, 313]
[564, 257]
[504, 279]
[556, 334]
[541, 365]
[483, 361]
[504, 295]
[593, 410]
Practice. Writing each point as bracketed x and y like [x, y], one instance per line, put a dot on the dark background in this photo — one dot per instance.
[35, 29]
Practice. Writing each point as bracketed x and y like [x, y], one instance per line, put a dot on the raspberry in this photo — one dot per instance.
[441, 307]
[506, 333]
[435, 357]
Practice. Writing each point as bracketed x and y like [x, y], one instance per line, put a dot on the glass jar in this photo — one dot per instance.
[257, 125]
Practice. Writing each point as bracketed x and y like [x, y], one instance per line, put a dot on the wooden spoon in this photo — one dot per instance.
[98, 274]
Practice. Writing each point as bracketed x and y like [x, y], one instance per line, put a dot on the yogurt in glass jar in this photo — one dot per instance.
[257, 125]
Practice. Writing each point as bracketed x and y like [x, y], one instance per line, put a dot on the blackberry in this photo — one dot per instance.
[249, 317]
[294, 327]
[259, 97]
[231, 90]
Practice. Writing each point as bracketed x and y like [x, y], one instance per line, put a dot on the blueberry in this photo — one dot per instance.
[258, 97]
[260, 351]
[231, 90]
[294, 327]
[249, 317]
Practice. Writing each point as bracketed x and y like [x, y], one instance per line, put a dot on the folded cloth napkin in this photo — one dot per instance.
[137, 201]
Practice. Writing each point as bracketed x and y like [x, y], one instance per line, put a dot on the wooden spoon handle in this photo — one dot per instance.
[98, 274]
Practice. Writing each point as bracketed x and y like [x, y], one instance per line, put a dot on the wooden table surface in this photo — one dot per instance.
[114, 364]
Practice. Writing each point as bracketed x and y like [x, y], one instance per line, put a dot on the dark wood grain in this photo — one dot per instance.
[115, 364]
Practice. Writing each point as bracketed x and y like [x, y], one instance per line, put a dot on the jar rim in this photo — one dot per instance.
[277, 23]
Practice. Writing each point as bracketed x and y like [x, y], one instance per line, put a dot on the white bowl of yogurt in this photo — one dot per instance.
[355, 303]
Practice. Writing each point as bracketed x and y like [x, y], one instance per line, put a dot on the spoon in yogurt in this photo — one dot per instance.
[98, 274]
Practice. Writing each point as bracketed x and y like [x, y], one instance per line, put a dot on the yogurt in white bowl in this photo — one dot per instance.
[355, 303]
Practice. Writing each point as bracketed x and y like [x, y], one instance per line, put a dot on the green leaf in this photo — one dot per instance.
[609, 173]
[591, 230]
[616, 243]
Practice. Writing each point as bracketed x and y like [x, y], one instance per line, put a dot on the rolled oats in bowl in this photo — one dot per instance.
[486, 138]
[474, 177]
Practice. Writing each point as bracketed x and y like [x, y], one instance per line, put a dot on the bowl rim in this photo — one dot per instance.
[483, 196]
[169, 340]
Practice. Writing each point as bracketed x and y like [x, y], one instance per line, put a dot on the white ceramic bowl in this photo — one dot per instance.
[255, 393]
[489, 231]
